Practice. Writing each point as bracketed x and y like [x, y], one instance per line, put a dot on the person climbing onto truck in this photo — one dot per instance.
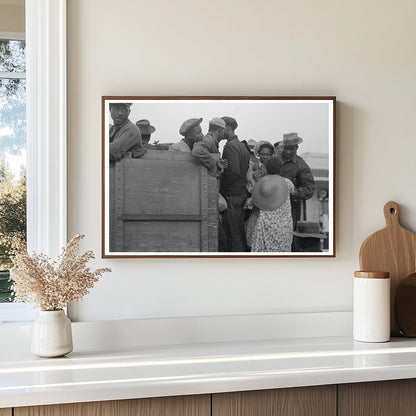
[206, 151]
[192, 132]
[125, 138]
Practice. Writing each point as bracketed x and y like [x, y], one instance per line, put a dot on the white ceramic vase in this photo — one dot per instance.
[52, 334]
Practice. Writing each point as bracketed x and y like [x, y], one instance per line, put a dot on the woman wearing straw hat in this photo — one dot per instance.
[273, 231]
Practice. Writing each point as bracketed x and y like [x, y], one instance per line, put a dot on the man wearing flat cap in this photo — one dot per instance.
[234, 188]
[206, 151]
[192, 132]
[125, 138]
[298, 171]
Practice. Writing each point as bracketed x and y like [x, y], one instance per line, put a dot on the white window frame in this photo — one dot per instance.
[46, 134]
[46, 125]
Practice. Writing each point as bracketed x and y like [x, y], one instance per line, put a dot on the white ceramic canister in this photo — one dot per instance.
[371, 309]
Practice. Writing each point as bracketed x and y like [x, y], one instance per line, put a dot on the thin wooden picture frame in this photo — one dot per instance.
[158, 203]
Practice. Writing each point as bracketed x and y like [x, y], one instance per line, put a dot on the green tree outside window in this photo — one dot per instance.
[12, 148]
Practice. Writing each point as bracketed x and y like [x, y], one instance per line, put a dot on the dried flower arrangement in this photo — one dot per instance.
[52, 285]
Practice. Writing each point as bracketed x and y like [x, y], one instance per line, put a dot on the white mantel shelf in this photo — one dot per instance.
[151, 371]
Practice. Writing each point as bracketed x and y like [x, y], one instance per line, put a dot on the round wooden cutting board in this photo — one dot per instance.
[405, 306]
[392, 250]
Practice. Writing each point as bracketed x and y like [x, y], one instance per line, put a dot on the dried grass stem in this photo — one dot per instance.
[53, 285]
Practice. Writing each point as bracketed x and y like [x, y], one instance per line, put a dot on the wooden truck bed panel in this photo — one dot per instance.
[162, 202]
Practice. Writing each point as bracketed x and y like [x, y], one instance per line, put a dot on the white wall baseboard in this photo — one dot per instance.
[110, 335]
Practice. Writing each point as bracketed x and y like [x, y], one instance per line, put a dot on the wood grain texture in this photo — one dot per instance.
[300, 401]
[392, 250]
[5, 412]
[383, 398]
[372, 275]
[163, 202]
[405, 306]
[163, 406]
[212, 183]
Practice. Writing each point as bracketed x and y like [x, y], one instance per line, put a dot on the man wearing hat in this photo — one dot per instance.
[146, 130]
[298, 171]
[206, 151]
[125, 137]
[192, 132]
[234, 188]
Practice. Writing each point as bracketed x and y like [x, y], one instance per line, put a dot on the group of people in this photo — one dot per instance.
[260, 189]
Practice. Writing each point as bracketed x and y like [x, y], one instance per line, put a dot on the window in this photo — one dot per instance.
[13, 155]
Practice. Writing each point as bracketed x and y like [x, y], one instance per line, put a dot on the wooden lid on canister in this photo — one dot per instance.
[372, 275]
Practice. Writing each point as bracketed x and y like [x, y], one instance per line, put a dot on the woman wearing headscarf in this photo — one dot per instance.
[273, 229]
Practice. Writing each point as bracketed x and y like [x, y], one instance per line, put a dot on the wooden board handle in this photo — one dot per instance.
[391, 214]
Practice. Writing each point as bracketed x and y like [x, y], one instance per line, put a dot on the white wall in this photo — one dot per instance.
[12, 17]
[361, 51]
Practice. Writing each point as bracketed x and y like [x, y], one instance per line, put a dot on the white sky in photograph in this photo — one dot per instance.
[257, 120]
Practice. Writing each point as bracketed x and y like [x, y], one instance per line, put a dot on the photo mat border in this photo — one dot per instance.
[104, 188]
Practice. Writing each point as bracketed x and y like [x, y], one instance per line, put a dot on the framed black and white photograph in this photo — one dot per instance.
[218, 176]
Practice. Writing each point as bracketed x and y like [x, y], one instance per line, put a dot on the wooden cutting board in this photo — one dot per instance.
[393, 250]
[405, 306]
